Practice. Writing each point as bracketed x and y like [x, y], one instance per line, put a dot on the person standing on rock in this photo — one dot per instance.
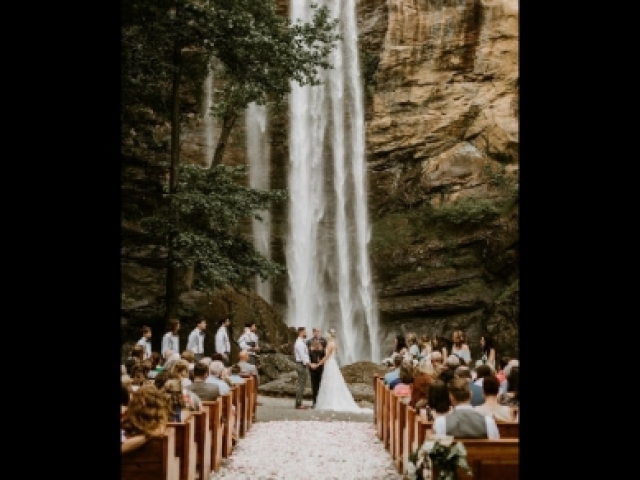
[196, 340]
[303, 362]
[316, 346]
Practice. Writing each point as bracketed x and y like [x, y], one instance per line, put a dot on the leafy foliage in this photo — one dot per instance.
[212, 206]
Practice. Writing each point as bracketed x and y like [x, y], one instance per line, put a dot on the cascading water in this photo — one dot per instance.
[208, 119]
[330, 280]
[258, 157]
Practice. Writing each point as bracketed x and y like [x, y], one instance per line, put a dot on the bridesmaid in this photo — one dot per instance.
[488, 351]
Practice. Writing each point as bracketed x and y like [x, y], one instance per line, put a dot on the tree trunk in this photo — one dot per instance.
[228, 122]
[172, 280]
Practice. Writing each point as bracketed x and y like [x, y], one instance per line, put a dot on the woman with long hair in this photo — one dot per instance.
[421, 381]
[511, 397]
[146, 416]
[488, 351]
[441, 344]
[424, 343]
[459, 348]
[400, 347]
[412, 343]
[170, 340]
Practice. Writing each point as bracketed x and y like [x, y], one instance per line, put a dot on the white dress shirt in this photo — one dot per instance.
[196, 341]
[248, 336]
[301, 351]
[440, 424]
[222, 341]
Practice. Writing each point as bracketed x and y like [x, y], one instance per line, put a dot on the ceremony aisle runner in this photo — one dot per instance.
[318, 450]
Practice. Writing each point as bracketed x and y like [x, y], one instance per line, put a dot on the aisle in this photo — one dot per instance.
[318, 450]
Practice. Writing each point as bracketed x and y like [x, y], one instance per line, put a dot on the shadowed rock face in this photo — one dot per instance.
[442, 138]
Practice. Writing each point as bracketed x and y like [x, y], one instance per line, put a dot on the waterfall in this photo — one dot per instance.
[258, 158]
[330, 280]
[208, 119]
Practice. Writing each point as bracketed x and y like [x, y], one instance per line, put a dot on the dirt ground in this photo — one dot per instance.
[278, 408]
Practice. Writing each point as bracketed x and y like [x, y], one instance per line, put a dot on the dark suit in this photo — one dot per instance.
[316, 373]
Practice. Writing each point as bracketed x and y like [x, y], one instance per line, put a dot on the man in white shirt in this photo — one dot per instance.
[196, 340]
[302, 363]
[223, 346]
[248, 342]
[464, 421]
[145, 341]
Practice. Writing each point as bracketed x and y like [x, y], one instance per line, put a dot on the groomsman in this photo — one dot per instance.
[145, 341]
[196, 340]
[223, 346]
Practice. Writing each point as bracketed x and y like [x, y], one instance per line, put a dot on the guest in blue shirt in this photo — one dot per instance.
[393, 374]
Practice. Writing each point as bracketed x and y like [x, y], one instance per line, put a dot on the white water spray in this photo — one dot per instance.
[330, 281]
[258, 156]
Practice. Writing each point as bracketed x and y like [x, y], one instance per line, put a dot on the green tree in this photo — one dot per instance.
[166, 48]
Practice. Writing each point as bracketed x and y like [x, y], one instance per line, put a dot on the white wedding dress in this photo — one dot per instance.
[334, 394]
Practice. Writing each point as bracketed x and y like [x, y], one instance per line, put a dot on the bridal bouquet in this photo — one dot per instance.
[441, 453]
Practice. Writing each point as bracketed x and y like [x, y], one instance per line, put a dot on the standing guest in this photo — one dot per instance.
[196, 339]
[439, 402]
[441, 344]
[414, 350]
[207, 392]
[145, 341]
[421, 382]
[488, 351]
[490, 387]
[170, 340]
[459, 348]
[425, 346]
[464, 421]
[301, 353]
[223, 346]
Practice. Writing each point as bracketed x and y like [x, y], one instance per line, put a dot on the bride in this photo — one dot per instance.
[334, 393]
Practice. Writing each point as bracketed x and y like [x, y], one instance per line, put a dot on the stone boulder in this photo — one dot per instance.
[274, 365]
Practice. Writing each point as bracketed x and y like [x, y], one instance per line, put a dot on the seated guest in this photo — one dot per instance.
[421, 381]
[482, 371]
[190, 399]
[477, 396]
[401, 386]
[436, 359]
[171, 361]
[505, 385]
[503, 362]
[155, 363]
[464, 421]
[245, 366]
[181, 368]
[146, 417]
[181, 400]
[511, 397]
[393, 374]
[125, 396]
[439, 403]
[136, 357]
[190, 357]
[139, 374]
[490, 387]
[216, 370]
[206, 391]
[206, 361]
[451, 364]
[235, 377]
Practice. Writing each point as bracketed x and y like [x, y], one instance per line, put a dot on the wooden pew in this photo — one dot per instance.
[401, 417]
[393, 424]
[185, 447]
[216, 428]
[408, 436]
[154, 460]
[386, 418]
[227, 442]
[202, 437]
[491, 459]
[375, 399]
[508, 429]
[379, 405]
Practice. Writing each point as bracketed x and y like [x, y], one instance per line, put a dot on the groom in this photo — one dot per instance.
[302, 363]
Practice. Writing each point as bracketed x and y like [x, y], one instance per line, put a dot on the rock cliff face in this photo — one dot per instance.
[441, 96]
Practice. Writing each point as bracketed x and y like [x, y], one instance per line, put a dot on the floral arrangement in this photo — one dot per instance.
[441, 453]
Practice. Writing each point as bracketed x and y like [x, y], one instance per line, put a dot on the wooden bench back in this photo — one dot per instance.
[154, 460]
[185, 447]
